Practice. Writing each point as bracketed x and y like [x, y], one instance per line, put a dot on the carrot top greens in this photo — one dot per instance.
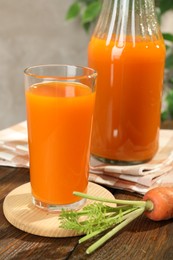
[98, 217]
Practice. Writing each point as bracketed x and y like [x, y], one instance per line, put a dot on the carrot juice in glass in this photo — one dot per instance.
[59, 103]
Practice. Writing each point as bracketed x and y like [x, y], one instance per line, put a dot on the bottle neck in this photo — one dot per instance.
[128, 18]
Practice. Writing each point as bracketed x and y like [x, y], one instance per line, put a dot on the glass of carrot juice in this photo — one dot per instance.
[59, 104]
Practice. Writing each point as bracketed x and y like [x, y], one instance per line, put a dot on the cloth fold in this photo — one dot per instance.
[14, 146]
[138, 178]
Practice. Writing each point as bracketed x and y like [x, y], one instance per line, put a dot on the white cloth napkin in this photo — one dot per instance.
[138, 178]
[14, 146]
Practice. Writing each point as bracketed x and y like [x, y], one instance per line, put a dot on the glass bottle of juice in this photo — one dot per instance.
[128, 52]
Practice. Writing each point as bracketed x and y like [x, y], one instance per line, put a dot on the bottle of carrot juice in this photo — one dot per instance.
[128, 52]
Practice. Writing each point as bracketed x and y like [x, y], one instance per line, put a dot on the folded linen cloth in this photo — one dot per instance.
[138, 178]
[14, 146]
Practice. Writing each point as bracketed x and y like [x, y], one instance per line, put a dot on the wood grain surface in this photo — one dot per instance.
[141, 240]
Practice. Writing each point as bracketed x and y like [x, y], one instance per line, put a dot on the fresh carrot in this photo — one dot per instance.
[157, 204]
[162, 199]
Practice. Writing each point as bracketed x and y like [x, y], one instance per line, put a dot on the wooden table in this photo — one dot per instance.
[143, 239]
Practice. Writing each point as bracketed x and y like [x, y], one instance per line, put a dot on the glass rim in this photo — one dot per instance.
[92, 72]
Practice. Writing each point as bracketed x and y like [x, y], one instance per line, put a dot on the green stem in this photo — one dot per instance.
[149, 206]
[93, 234]
[125, 215]
[115, 201]
[111, 233]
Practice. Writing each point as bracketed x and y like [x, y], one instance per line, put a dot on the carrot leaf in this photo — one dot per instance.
[98, 217]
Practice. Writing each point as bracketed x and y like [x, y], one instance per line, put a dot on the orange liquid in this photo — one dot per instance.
[128, 100]
[59, 126]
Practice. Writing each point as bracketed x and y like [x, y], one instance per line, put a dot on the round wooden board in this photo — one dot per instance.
[21, 213]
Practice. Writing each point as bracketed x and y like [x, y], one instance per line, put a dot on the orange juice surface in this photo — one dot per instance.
[128, 100]
[59, 122]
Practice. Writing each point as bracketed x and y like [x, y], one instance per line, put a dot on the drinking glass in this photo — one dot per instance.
[59, 104]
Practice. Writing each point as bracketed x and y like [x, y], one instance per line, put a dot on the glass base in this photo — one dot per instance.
[58, 208]
[119, 162]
